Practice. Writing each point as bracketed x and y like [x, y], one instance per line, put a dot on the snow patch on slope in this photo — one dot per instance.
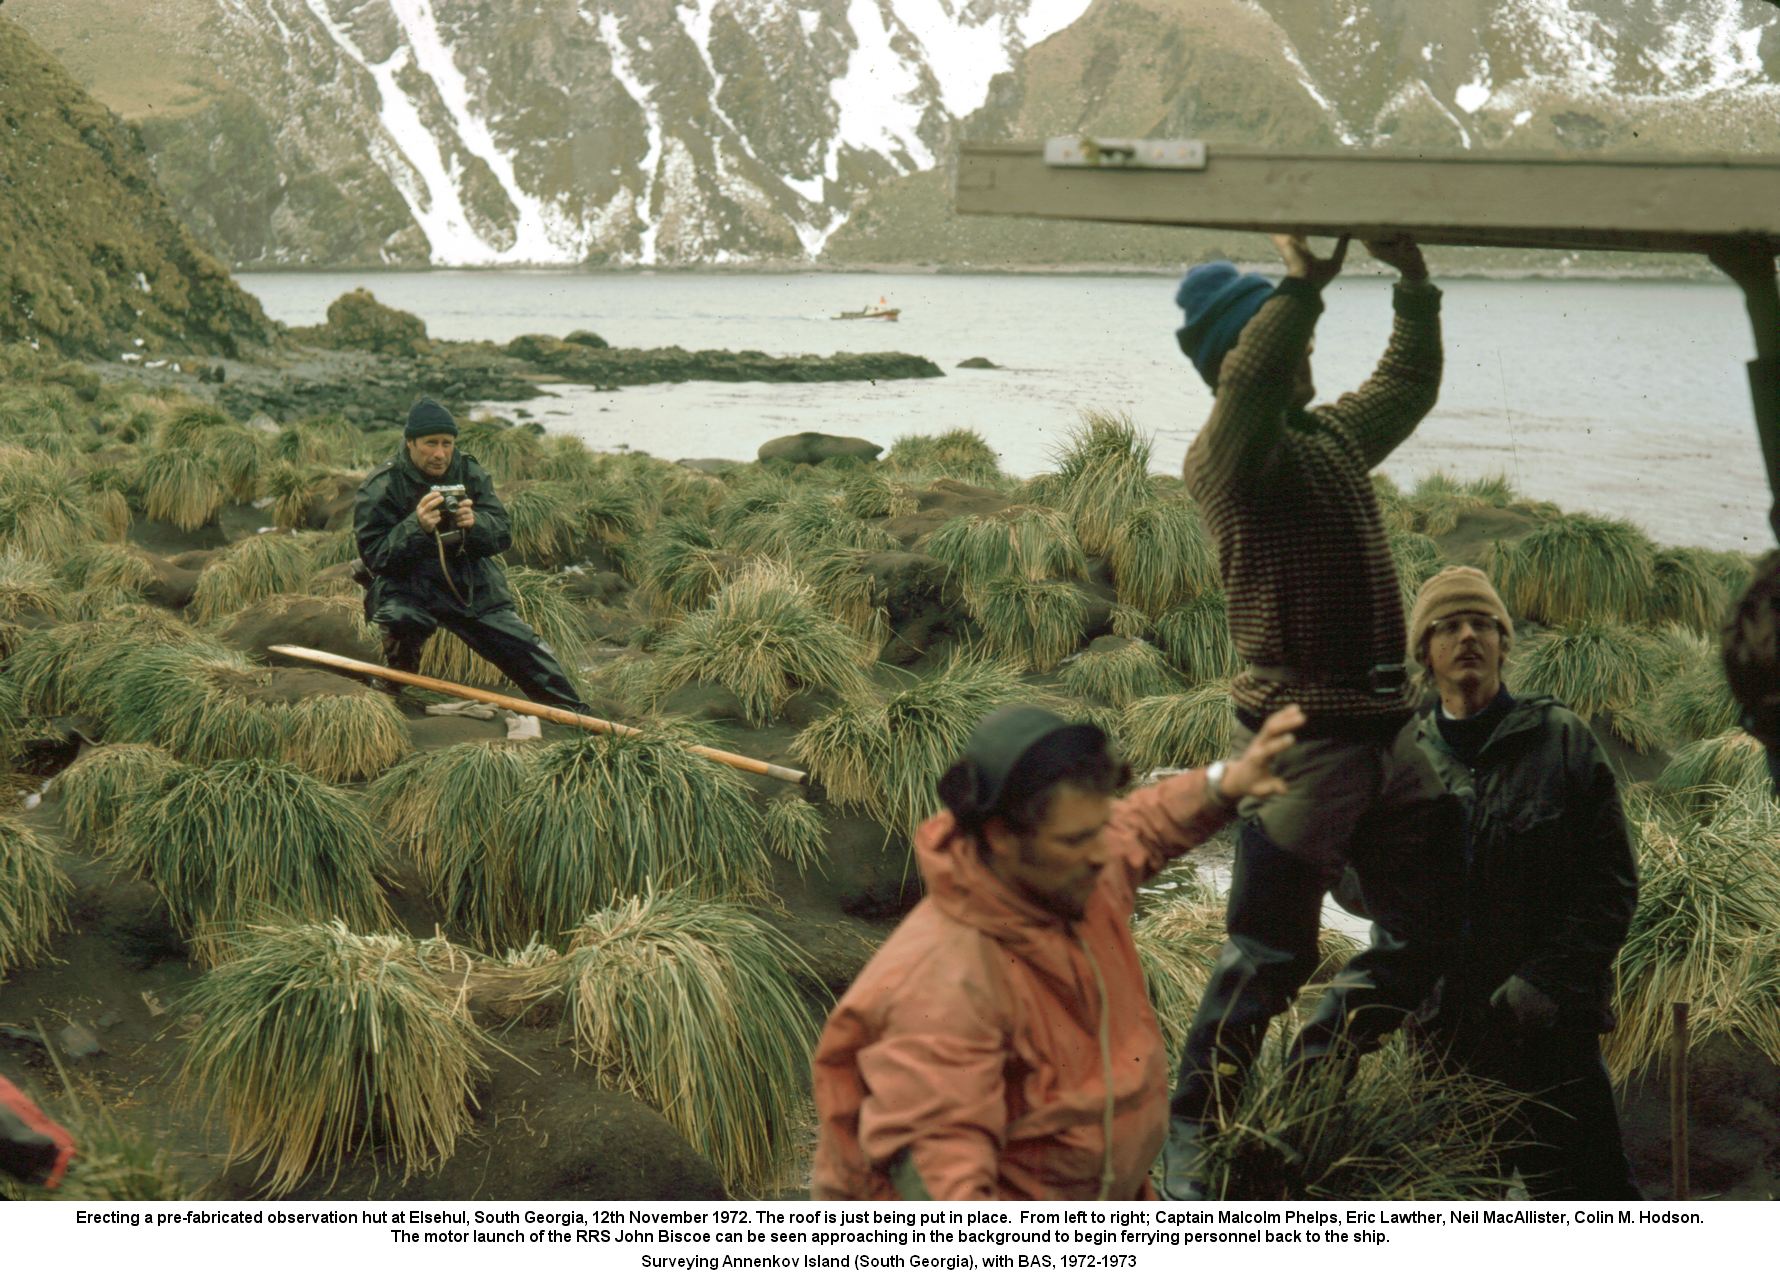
[628, 79]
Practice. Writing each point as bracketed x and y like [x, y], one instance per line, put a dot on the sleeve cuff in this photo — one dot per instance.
[1302, 288]
[1415, 300]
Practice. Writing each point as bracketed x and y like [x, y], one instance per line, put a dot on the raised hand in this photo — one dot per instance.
[1251, 774]
[1301, 262]
[1401, 253]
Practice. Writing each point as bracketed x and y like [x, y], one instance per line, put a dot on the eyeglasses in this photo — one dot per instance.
[1449, 629]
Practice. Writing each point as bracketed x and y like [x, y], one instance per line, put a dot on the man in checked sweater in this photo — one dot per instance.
[1286, 492]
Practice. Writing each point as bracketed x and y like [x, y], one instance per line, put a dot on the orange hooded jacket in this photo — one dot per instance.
[980, 1038]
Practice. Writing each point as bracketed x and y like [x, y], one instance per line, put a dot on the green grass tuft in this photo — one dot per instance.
[1161, 556]
[244, 840]
[258, 567]
[1174, 731]
[1686, 590]
[1706, 931]
[764, 637]
[1592, 668]
[693, 1006]
[1119, 673]
[1035, 622]
[961, 454]
[545, 522]
[603, 816]
[183, 488]
[34, 894]
[447, 808]
[1575, 568]
[795, 832]
[28, 588]
[510, 453]
[109, 566]
[1024, 541]
[98, 788]
[1103, 476]
[1196, 639]
[319, 1045]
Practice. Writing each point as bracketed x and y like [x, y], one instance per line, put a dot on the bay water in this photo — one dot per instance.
[1626, 398]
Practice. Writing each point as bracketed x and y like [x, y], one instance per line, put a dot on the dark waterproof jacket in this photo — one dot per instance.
[1551, 880]
[405, 559]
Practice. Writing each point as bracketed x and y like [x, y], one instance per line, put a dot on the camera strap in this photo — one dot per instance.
[445, 569]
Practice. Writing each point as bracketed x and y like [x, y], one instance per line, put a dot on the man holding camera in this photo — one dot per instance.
[1315, 611]
[429, 529]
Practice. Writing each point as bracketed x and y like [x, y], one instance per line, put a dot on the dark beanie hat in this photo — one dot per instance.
[994, 754]
[426, 418]
[1218, 302]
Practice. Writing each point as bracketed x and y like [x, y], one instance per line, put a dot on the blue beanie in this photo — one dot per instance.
[426, 417]
[1218, 303]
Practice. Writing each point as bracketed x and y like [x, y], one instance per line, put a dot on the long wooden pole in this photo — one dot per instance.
[1678, 1153]
[561, 715]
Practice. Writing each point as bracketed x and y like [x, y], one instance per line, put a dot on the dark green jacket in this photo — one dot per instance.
[405, 559]
[1551, 880]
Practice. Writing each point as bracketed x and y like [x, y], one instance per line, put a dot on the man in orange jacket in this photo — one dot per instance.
[1001, 1044]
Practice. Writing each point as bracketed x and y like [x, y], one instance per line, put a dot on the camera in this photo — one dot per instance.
[450, 497]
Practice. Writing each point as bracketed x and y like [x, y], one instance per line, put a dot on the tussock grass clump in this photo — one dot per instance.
[240, 456]
[544, 522]
[1103, 475]
[1702, 772]
[1686, 590]
[45, 509]
[1129, 621]
[294, 489]
[886, 755]
[510, 453]
[764, 637]
[33, 894]
[808, 523]
[1418, 559]
[344, 737]
[1696, 701]
[189, 428]
[1706, 931]
[1575, 568]
[1196, 638]
[1173, 731]
[1025, 541]
[27, 587]
[319, 1044]
[562, 457]
[75, 668]
[243, 840]
[1161, 556]
[98, 788]
[319, 440]
[846, 589]
[542, 600]
[194, 701]
[258, 567]
[958, 453]
[612, 513]
[1033, 621]
[1117, 673]
[683, 567]
[693, 1006]
[874, 493]
[447, 808]
[181, 487]
[109, 566]
[1400, 1129]
[604, 816]
[1592, 668]
[795, 832]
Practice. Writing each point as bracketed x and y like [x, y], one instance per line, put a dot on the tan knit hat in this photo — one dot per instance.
[1455, 590]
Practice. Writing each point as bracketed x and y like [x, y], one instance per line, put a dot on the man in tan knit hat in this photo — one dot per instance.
[1550, 886]
[1285, 489]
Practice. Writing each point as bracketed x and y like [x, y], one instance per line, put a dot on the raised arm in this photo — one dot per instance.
[1381, 413]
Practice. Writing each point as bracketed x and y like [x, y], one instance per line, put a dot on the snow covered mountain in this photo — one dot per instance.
[503, 132]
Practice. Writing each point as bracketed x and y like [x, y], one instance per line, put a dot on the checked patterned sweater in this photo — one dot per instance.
[1287, 496]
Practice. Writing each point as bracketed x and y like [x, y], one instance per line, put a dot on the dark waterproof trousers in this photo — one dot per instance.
[499, 635]
[1405, 852]
[1567, 1143]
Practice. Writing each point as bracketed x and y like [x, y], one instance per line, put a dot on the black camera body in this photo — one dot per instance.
[450, 497]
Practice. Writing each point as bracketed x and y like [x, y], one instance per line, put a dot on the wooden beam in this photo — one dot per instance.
[1623, 203]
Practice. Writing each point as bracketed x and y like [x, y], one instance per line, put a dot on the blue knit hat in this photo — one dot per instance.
[426, 418]
[1218, 302]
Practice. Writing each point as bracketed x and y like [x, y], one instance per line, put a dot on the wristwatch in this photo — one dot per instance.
[1214, 783]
